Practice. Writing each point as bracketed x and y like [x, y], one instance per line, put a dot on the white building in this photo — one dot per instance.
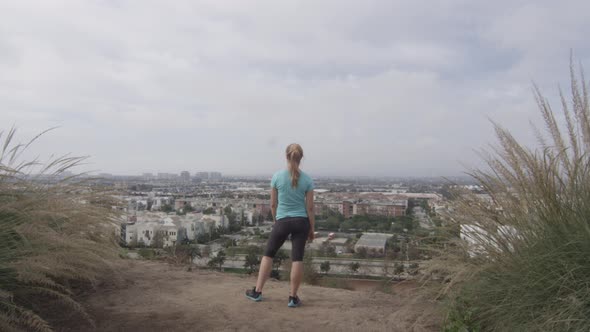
[216, 220]
[479, 240]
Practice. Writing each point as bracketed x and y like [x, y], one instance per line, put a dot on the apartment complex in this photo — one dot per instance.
[393, 208]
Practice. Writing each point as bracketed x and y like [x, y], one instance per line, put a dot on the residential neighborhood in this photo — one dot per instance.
[370, 222]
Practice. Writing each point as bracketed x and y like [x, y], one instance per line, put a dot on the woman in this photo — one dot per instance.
[292, 210]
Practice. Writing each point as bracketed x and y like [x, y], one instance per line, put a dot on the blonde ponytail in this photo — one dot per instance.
[294, 154]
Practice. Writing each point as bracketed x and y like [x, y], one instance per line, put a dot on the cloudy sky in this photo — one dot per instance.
[366, 87]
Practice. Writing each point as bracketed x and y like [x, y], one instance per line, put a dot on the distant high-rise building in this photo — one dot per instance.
[214, 176]
[166, 176]
[202, 175]
[185, 176]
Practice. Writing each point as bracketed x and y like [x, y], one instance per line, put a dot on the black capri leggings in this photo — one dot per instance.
[298, 227]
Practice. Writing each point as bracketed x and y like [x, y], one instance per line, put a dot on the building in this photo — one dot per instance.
[396, 208]
[215, 176]
[167, 176]
[202, 175]
[180, 203]
[325, 207]
[144, 228]
[372, 242]
[480, 241]
[215, 221]
[259, 207]
[158, 202]
[347, 209]
[185, 176]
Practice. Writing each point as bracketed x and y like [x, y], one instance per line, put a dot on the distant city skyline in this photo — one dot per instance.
[376, 88]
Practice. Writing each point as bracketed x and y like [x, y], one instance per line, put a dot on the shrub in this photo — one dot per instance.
[310, 275]
[56, 233]
[146, 253]
[325, 267]
[252, 259]
[525, 266]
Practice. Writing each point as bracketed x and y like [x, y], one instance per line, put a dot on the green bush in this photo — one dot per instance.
[529, 268]
[336, 283]
[57, 233]
[460, 318]
[146, 253]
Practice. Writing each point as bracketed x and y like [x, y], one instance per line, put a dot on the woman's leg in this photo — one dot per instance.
[298, 240]
[278, 235]
[264, 272]
[296, 277]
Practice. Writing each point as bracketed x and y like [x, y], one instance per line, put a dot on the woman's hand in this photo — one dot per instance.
[311, 235]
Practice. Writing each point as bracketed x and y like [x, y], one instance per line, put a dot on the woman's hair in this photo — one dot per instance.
[294, 154]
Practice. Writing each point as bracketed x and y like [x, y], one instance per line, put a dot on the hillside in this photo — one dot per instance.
[155, 296]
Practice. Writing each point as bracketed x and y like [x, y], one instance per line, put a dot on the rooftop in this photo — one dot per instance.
[373, 240]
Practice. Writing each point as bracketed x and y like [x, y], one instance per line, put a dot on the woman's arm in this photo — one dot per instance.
[310, 213]
[273, 203]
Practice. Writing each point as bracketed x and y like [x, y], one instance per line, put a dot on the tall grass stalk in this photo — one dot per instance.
[56, 236]
[528, 265]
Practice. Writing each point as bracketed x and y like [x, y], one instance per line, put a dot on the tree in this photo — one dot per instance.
[212, 262]
[202, 238]
[167, 208]
[186, 208]
[221, 256]
[228, 210]
[218, 260]
[252, 260]
[365, 226]
[392, 243]
[310, 276]
[158, 239]
[234, 224]
[209, 210]
[332, 223]
[280, 257]
[361, 252]
[325, 267]
[321, 251]
[260, 219]
[229, 242]
[331, 250]
[354, 267]
[347, 225]
[194, 252]
[206, 251]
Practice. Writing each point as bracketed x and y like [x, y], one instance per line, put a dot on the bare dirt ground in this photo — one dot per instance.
[159, 297]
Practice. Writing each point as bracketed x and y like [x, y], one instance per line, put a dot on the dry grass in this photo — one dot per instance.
[531, 270]
[56, 237]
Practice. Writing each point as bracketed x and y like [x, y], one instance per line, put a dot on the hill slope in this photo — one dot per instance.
[160, 297]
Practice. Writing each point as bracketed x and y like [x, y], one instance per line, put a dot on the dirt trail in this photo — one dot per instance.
[159, 297]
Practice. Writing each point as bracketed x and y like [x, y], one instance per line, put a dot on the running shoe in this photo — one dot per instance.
[294, 301]
[253, 295]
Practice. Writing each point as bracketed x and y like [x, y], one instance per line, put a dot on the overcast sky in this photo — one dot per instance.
[366, 87]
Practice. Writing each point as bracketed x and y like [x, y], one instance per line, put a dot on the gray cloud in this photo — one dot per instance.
[371, 87]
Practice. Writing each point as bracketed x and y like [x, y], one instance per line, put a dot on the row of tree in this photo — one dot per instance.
[365, 223]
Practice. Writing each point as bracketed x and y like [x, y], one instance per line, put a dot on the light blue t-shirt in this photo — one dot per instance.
[291, 200]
